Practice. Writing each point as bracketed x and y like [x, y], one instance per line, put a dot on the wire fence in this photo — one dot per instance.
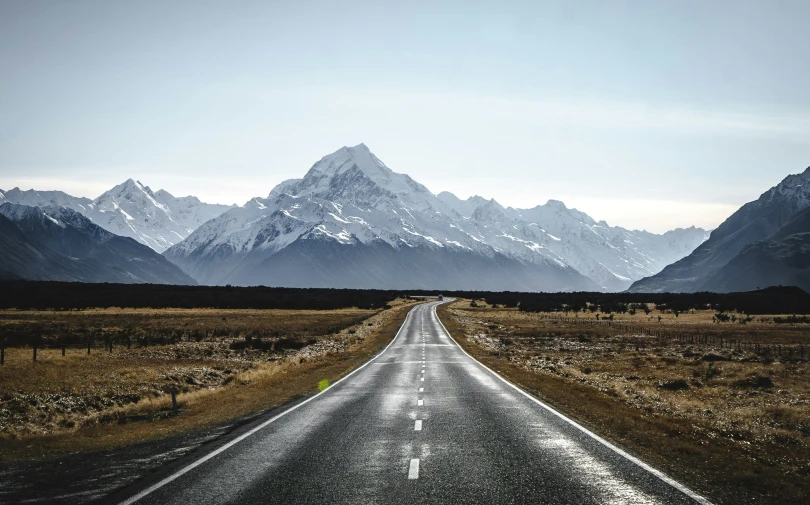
[34, 350]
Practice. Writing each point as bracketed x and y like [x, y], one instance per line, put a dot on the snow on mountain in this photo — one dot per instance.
[47, 198]
[58, 243]
[158, 220]
[463, 207]
[352, 199]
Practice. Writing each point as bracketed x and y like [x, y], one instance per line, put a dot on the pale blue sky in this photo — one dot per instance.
[648, 114]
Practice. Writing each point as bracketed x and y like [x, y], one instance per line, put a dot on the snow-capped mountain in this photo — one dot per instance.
[754, 221]
[156, 219]
[58, 243]
[353, 222]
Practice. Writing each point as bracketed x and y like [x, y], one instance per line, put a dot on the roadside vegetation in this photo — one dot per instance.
[219, 363]
[718, 399]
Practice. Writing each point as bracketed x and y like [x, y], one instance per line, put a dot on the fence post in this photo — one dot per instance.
[2, 355]
[111, 344]
[35, 353]
[129, 342]
[88, 348]
[174, 403]
[63, 351]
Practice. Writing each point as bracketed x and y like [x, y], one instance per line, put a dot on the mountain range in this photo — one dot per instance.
[58, 243]
[156, 219]
[762, 244]
[353, 222]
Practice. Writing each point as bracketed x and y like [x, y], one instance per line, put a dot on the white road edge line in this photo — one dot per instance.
[658, 473]
[413, 471]
[192, 466]
[417, 425]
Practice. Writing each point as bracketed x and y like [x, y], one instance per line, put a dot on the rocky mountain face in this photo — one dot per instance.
[156, 219]
[24, 258]
[58, 243]
[353, 222]
[611, 256]
[782, 259]
[755, 221]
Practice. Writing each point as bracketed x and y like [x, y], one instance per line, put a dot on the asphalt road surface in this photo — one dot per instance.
[421, 423]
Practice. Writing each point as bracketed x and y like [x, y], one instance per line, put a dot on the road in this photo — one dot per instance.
[423, 422]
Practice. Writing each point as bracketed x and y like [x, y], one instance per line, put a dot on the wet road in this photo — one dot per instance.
[421, 423]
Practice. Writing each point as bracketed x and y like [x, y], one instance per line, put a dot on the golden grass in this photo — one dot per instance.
[120, 398]
[718, 425]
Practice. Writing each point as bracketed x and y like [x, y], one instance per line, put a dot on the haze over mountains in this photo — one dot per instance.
[353, 222]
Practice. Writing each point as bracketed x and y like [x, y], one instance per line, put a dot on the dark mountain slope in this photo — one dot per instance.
[312, 261]
[24, 258]
[71, 247]
[783, 259]
[755, 221]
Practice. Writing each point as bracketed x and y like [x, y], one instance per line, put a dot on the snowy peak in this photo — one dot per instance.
[30, 217]
[45, 198]
[129, 191]
[21, 213]
[556, 205]
[157, 219]
[489, 213]
[355, 173]
[463, 207]
[794, 191]
[350, 198]
[130, 209]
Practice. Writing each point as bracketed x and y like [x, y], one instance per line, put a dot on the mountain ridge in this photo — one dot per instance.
[354, 199]
[131, 209]
[58, 243]
[755, 221]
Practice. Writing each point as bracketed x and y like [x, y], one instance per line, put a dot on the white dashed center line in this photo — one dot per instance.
[413, 471]
[422, 379]
[419, 403]
[417, 425]
[421, 390]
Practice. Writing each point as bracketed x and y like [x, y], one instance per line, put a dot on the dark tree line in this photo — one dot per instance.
[776, 300]
[68, 295]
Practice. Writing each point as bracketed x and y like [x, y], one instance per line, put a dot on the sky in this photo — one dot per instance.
[649, 115]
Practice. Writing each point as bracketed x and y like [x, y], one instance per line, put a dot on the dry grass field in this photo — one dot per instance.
[714, 404]
[221, 364]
